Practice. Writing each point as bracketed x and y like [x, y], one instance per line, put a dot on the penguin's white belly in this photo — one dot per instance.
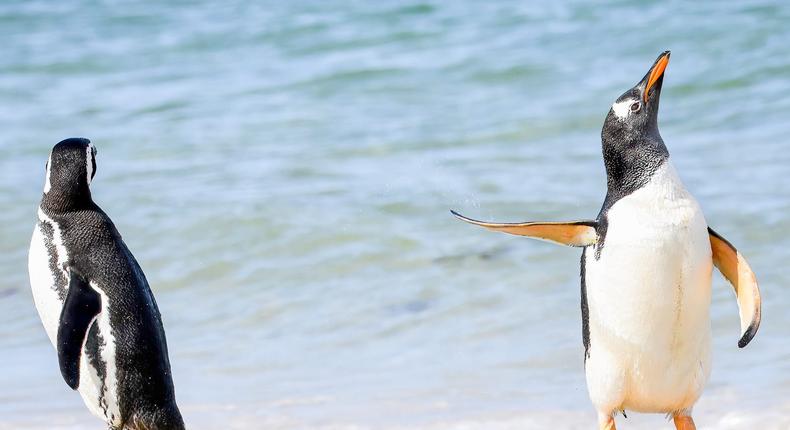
[99, 394]
[43, 284]
[649, 302]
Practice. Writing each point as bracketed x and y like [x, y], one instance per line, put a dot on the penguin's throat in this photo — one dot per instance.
[630, 165]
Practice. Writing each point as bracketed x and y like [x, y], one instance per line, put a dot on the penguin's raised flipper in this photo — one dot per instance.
[573, 233]
[734, 267]
[79, 310]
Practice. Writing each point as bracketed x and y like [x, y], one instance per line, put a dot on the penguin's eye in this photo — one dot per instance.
[636, 107]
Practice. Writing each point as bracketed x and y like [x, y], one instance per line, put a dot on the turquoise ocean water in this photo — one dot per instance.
[283, 172]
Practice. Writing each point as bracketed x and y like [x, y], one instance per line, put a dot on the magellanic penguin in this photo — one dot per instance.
[646, 271]
[95, 302]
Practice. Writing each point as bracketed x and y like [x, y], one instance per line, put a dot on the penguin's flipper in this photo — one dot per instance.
[573, 233]
[79, 310]
[734, 267]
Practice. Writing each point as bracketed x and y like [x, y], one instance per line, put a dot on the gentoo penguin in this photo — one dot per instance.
[646, 271]
[95, 303]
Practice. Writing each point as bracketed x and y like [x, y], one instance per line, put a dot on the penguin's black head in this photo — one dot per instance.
[70, 169]
[630, 132]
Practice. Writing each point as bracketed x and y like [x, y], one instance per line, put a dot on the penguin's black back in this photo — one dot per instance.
[97, 251]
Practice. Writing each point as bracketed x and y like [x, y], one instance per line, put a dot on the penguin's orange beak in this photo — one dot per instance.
[656, 73]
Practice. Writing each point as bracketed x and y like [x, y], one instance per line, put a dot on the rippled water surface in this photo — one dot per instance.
[283, 172]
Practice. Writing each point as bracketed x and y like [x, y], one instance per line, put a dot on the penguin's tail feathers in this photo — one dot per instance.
[165, 418]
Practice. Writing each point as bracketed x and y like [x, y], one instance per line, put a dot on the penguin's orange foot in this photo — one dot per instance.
[606, 422]
[684, 422]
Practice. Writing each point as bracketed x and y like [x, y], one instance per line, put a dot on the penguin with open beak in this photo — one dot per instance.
[646, 270]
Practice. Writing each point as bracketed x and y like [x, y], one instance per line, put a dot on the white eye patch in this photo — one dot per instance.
[623, 108]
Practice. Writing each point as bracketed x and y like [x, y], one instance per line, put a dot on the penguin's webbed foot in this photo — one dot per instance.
[684, 422]
[606, 421]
